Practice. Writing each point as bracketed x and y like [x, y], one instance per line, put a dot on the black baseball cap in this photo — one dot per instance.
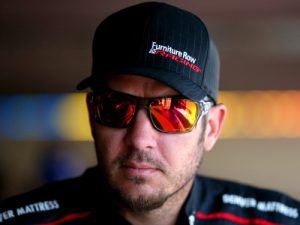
[159, 41]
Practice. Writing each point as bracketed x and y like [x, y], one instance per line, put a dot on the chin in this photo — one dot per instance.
[141, 198]
[139, 195]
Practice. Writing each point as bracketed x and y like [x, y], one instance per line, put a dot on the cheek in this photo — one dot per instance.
[108, 143]
[182, 149]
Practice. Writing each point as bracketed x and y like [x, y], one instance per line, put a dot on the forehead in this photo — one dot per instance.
[140, 86]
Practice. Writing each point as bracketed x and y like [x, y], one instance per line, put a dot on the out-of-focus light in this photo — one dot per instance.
[262, 114]
[28, 117]
[71, 119]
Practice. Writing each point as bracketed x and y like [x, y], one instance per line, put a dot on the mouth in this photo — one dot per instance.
[138, 169]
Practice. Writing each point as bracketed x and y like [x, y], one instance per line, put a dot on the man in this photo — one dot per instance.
[153, 113]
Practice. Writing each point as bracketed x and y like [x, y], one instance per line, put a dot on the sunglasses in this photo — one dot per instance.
[171, 114]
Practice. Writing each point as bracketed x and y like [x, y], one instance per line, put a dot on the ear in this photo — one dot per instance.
[90, 112]
[215, 121]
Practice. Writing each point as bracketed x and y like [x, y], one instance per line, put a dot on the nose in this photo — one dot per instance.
[141, 135]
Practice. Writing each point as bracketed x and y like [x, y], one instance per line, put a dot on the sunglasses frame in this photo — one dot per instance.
[203, 107]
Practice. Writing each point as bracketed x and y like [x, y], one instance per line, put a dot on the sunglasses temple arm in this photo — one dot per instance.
[206, 107]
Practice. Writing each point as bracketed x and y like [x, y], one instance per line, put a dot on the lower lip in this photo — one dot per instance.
[132, 171]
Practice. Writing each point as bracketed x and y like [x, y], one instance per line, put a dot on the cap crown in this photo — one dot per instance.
[160, 41]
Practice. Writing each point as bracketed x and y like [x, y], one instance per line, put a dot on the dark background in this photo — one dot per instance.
[45, 46]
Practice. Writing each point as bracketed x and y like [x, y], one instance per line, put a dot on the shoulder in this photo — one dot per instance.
[54, 200]
[243, 202]
[235, 188]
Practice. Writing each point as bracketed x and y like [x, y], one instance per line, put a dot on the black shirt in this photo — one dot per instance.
[86, 201]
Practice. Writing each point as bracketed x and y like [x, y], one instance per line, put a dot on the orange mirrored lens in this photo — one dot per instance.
[173, 115]
[113, 110]
[167, 114]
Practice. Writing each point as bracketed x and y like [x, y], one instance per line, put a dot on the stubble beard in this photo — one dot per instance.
[140, 203]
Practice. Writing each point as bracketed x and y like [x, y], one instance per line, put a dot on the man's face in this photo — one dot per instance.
[144, 166]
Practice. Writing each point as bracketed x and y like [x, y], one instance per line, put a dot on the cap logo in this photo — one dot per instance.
[176, 55]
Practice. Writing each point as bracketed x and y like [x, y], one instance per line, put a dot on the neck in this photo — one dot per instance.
[167, 214]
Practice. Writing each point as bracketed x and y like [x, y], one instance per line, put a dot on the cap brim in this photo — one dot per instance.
[183, 85]
[84, 84]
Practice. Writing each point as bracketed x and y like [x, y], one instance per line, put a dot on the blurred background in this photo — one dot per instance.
[45, 49]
